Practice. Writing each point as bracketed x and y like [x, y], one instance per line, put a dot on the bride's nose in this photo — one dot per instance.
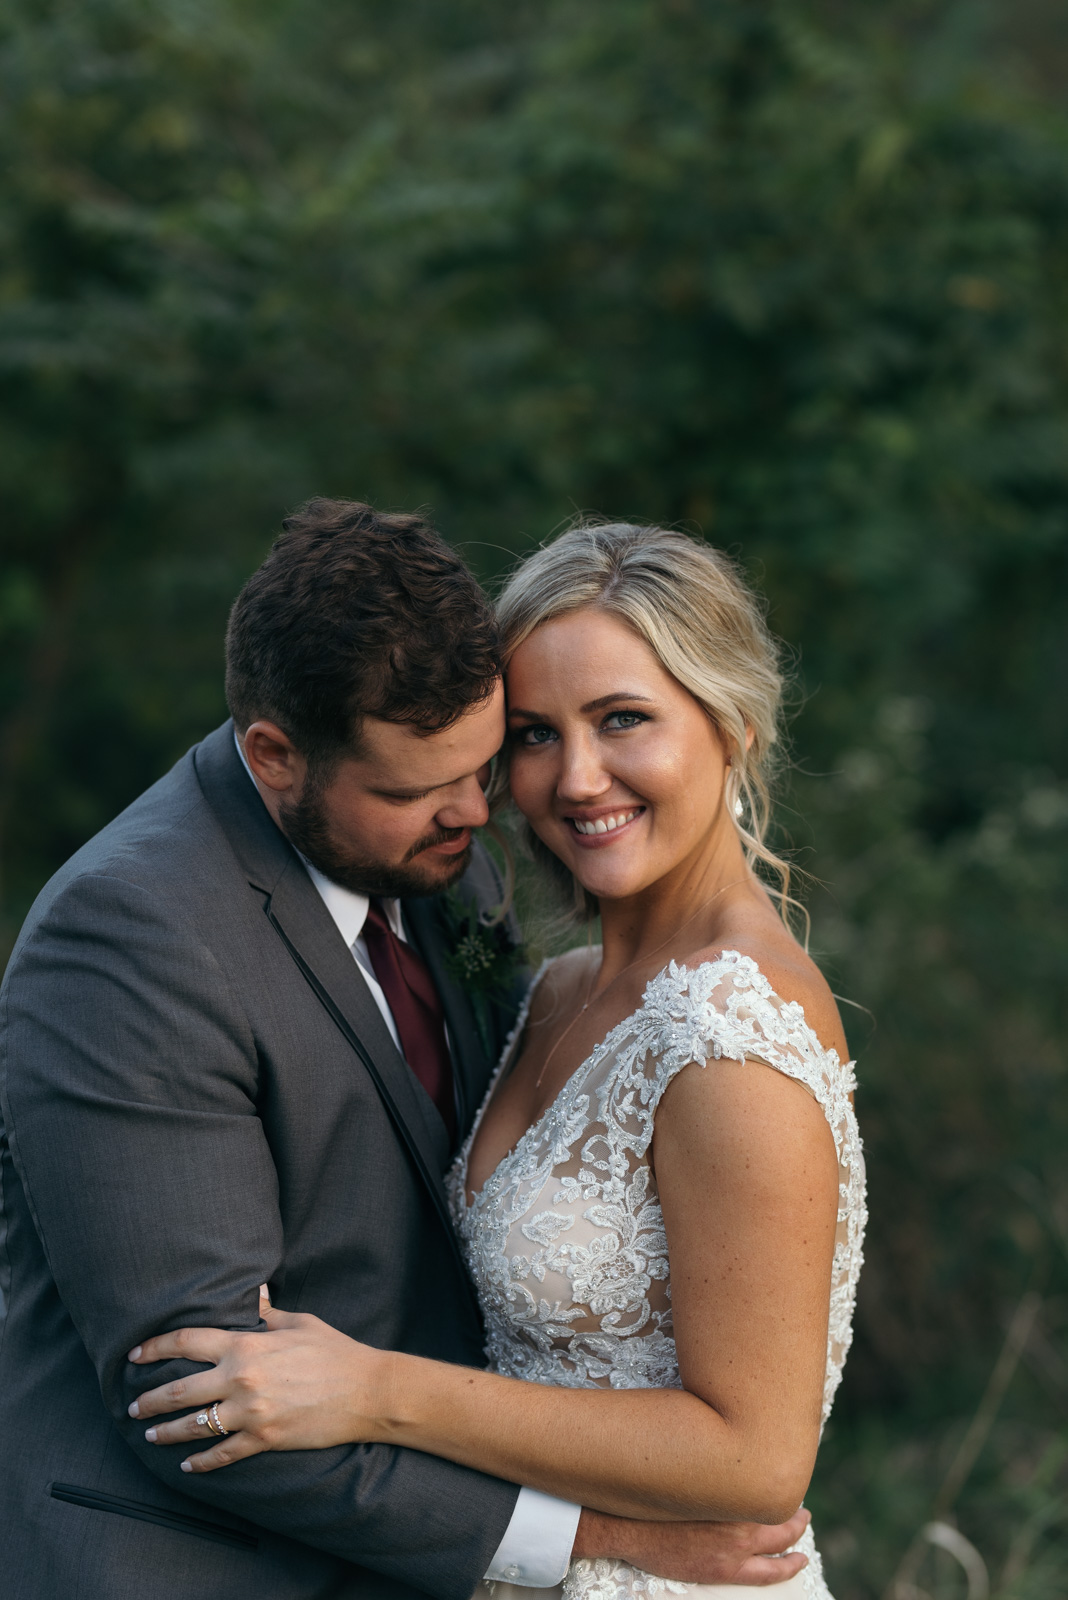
[582, 774]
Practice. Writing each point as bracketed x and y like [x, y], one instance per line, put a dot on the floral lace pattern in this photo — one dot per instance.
[566, 1241]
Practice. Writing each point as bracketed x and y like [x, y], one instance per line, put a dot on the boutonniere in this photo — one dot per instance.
[482, 958]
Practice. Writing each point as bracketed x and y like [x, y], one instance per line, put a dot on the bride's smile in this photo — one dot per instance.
[593, 825]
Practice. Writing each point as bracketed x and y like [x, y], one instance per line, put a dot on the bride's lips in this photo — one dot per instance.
[593, 830]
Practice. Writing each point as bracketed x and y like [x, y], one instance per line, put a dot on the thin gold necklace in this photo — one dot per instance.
[647, 955]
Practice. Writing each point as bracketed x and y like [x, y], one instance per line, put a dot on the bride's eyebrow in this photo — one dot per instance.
[613, 699]
[591, 705]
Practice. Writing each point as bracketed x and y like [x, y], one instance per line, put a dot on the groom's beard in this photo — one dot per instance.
[306, 825]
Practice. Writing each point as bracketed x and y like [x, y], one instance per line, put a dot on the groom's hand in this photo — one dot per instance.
[696, 1552]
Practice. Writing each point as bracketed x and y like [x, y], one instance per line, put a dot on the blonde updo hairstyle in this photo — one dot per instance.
[704, 625]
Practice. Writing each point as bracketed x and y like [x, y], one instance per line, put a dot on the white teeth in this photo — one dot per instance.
[605, 824]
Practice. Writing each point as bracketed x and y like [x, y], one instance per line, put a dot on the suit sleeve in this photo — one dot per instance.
[130, 1103]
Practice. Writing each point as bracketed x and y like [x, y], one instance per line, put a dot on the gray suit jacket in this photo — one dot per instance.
[199, 1095]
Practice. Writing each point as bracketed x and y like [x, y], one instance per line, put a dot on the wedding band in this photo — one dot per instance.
[210, 1418]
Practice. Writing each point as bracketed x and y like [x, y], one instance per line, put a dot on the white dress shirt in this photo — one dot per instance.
[537, 1543]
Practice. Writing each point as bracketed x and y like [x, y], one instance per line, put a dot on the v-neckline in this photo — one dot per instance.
[580, 1074]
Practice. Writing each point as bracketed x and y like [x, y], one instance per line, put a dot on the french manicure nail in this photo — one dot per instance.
[134, 1409]
[150, 1435]
[135, 1353]
[187, 1466]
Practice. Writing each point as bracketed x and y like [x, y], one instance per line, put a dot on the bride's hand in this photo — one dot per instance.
[302, 1385]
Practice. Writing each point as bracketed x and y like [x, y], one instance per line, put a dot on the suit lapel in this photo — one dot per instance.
[310, 934]
[313, 940]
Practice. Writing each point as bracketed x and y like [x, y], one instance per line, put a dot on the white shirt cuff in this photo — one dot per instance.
[537, 1543]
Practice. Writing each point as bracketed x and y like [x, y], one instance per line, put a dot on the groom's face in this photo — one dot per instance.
[395, 818]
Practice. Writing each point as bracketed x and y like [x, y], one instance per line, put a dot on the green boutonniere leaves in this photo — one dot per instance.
[482, 959]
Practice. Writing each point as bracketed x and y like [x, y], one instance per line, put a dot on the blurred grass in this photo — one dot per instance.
[876, 1482]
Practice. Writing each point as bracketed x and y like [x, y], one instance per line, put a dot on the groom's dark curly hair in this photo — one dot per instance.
[358, 613]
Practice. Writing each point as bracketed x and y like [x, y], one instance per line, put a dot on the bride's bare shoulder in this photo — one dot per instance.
[793, 976]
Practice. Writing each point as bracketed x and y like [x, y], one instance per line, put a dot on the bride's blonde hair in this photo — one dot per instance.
[705, 626]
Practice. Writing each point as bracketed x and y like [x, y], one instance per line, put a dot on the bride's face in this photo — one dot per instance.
[615, 765]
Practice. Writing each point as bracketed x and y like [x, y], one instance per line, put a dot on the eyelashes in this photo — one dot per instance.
[536, 734]
[633, 719]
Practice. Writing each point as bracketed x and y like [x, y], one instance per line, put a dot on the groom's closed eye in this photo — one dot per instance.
[403, 799]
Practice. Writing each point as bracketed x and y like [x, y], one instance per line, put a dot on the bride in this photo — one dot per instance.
[662, 1199]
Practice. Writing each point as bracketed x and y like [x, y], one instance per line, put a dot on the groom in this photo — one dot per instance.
[232, 1052]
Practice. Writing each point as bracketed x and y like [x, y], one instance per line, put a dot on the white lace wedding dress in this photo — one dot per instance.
[566, 1241]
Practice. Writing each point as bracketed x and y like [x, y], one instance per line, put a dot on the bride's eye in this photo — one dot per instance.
[536, 733]
[620, 721]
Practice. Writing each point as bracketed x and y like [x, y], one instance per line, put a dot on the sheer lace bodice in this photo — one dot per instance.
[566, 1242]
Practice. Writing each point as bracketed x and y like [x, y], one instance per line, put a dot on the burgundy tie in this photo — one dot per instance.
[416, 1009]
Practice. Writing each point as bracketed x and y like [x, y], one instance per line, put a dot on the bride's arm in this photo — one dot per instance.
[748, 1181]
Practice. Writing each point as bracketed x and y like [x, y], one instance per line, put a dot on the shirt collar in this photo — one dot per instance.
[348, 910]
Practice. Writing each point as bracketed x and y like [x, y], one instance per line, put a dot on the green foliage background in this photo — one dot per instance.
[795, 275]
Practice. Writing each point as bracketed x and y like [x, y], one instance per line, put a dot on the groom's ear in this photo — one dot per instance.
[273, 757]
